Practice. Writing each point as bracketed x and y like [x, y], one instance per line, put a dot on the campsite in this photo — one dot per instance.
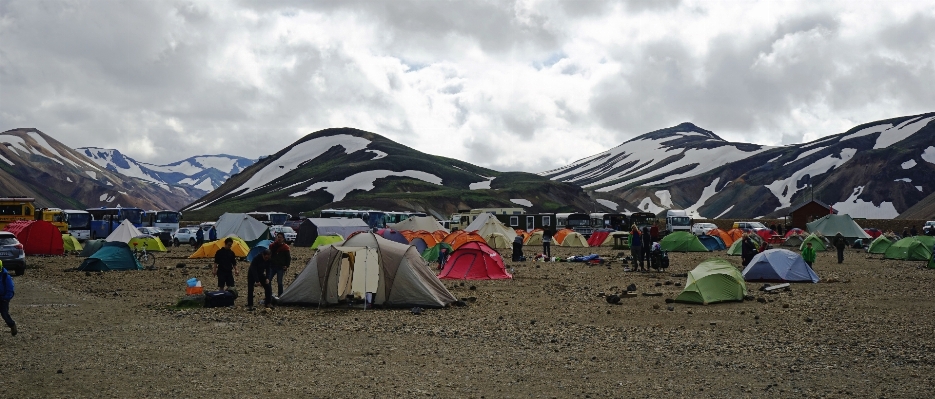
[547, 332]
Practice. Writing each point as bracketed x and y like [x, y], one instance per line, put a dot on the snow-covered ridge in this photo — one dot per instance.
[202, 172]
[364, 181]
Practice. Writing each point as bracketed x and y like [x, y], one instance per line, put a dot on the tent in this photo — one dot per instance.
[911, 248]
[431, 254]
[498, 241]
[392, 235]
[574, 239]
[258, 249]
[91, 246]
[682, 241]
[113, 255]
[712, 243]
[766, 234]
[311, 228]
[440, 235]
[474, 261]
[326, 239]
[210, 248]
[714, 280]
[794, 241]
[460, 237]
[794, 231]
[242, 225]
[734, 234]
[70, 243]
[817, 243]
[606, 239]
[879, 245]
[597, 237]
[414, 223]
[736, 249]
[427, 238]
[727, 238]
[559, 236]
[367, 263]
[829, 225]
[152, 244]
[124, 232]
[38, 237]
[487, 224]
[873, 232]
[420, 244]
[779, 266]
[534, 238]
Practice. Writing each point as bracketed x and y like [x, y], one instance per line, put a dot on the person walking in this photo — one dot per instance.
[257, 275]
[839, 243]
[518, 248]
[913, 232]
[213, 234]
[647, 241]
[747, 250]
[200, 236]
[547, 243]
[6, 295]
[808, 254]
[636, 247]
[281, 260]
[225, 265]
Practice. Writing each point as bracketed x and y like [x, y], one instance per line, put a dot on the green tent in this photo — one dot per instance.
[326, 239]
[879, 245]
[152, 244]
[70, 243]
[829, 225]
[113, 255]
[431, 254]
[91, 246]
[682, 241]
[714, 280]
[911, 248]
[736, 249]
[817, 243]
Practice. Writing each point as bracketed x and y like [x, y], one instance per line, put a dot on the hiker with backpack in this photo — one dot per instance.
[6, 295]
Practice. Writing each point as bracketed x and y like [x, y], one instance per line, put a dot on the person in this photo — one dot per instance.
[442, 257]
[653, 234]
[518, 248]
[200, 236]
[6, 295]
[913, 232]
[647, 242]
[281, 259]
[636, 247]
[547, 244]
[808, 254]
[905, 232]
[225, 265]
[747, 250]
[257, 275]
[213, 234]
[840, 243]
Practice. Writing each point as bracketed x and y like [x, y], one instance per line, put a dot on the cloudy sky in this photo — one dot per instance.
[525, 85]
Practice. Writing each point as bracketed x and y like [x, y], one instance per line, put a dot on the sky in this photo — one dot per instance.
[509, 85]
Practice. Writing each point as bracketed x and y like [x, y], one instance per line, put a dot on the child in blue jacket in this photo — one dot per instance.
[6, 294]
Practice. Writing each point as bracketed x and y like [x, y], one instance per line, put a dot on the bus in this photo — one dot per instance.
[79, 223]
[642, 219]
[579, 222]
[374, 218]
[56, 216]
[271, 218]
[16, 208]
[464, 217]
[105, 220]
[167, 221]
[616, 221]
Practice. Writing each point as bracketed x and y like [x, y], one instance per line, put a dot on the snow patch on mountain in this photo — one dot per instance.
[901, 132]
[706, 193]
[6, 160]
[725, 212]
[805, 154]
[862, 209]
[821, 166]
[609, 204]
[647, 205]
[92, 174]
[379, 154]
[868, 131]
[205, 185]
[45, 144]
[665, 198]
[905, 179]
[908, 164]
[929, 155]
[16, 143]
[919, 188]
[482, 185]
[520, 201]
[364, 181]
[298, 154]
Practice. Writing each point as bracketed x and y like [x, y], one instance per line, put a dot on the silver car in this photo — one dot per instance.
[12, 254]
[702, 228]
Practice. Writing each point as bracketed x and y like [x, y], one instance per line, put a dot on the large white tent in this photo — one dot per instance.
[123, 233]
[241, 225]
[487, 224]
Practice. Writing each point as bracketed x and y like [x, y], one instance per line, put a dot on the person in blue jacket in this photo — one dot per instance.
[213, 234]
[6, 294]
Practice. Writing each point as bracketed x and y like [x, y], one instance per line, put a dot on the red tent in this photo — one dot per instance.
[474, 261]
[873, 233]
[796, 231]
[597, 238]
[38, 237]
[766, 234]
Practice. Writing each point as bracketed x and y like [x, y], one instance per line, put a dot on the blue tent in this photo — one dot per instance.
[258, 249]
[780, 266]
[712, 243]
[420, 244]
[113, 255]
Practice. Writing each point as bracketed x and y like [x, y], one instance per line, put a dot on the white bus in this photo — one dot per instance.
[79, 223]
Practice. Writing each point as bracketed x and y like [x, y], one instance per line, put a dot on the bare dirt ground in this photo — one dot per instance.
[547, 333]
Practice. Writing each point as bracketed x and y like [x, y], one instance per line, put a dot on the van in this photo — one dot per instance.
[678, 220]
[749, 226]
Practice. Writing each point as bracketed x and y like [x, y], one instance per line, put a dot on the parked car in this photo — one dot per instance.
[185, 234]
[288, 232]
[153, 231]
[294, 224]
[749, 226]
[702, 228]
[12, 254]
[929, 228]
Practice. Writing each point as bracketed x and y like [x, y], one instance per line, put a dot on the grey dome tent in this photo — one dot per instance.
[242, 225]
[311, 228]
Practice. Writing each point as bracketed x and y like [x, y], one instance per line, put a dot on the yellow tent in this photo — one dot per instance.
[574, 239]
[210, 248]
[152, 244]
[71, 243]
[498, 241]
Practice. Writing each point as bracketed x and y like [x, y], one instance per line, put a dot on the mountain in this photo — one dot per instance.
[350, 168]
[32, 164]
[204, 172]
[874, 170]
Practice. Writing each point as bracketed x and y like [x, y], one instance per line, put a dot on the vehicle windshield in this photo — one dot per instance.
[579, 222]
[680, 221]
[135, 216]
[167, 217]
[8, 241]
[79, 220]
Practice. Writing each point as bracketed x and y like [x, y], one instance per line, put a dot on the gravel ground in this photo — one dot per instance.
[864, 331]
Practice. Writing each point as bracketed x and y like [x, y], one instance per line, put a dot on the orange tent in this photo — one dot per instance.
[440, 235]
[560, 235]
[424, 235]
[735, 234]
[727, 238]
[461, 237]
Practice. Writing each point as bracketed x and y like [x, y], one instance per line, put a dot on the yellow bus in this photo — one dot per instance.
[22, 208]
[55, 216]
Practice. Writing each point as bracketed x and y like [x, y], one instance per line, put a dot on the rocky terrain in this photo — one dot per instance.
[864, 331]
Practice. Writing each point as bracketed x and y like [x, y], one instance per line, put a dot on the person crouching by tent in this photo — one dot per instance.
[6, 295]
[840, 244]
[747, 250]
[225, 265]
[547, 244]
[281, 259]
[808, 254]
[257, 275]
[518, 249]
[636, 247]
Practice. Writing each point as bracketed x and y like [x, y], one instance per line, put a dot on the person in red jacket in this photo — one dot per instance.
[280, 259]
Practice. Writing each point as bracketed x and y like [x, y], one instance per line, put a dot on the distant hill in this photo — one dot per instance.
[874, 170]
[204, 172]
[352, 168]
[35, 165]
